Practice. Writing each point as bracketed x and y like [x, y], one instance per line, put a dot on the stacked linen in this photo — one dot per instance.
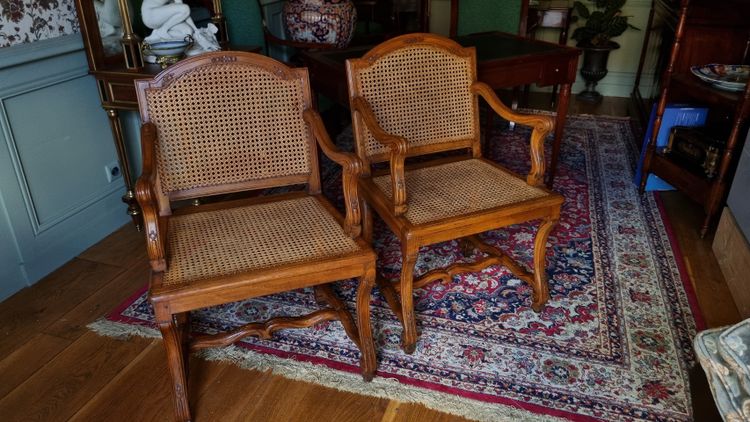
[724, 354]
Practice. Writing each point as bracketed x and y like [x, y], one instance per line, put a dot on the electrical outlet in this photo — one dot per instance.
[112, 171]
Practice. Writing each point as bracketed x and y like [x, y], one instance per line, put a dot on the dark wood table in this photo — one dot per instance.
[504, 61]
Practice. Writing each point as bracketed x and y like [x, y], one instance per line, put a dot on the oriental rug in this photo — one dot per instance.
[613, 343]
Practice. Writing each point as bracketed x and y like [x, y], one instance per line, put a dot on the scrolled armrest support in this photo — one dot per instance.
[352, 169]
[154, 225]
[541, 127]
[398, 147]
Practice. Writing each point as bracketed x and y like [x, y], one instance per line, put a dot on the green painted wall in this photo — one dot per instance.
[243, 22]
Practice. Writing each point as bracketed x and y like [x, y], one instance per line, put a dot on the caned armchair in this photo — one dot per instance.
[416, 95]
[226, 122]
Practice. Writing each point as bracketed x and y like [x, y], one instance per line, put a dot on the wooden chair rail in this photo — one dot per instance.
[335, 311]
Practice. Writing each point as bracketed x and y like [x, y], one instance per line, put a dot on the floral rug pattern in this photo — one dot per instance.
[613, 343]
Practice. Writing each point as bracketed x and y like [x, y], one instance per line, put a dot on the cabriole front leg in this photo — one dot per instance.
[409, 335]
[176, 361]
[367, 346]
[540, 287]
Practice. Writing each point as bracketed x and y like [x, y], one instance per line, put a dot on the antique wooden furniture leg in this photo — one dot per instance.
[562, 111]
[408, 262]
[540, 285]
[367, 349]
[367, 224]
[134, 210]
[172, 336]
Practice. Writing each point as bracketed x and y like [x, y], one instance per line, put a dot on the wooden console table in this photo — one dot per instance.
[504, 61]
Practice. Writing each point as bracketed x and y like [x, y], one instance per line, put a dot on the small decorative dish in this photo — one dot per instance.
[165, 53]
[729, 77]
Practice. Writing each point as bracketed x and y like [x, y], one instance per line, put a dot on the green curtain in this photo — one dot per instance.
[243, 22]
[488, 15]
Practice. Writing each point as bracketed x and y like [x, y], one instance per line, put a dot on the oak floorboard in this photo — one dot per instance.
[714, 298]
[73, 323]
[123, 248]
[405, 412]
[72, 378]
[33, 309]
[27, 359]
[283, 399]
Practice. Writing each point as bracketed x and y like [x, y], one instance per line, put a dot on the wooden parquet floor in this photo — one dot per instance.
[52, 368]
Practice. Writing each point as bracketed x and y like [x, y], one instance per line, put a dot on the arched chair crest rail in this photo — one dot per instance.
[417, 95]
[222, 123]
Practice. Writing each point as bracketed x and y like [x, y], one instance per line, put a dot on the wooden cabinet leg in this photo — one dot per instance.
[562, 111]
[134, 210]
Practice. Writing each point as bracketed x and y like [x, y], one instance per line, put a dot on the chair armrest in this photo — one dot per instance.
[352, 169]
[398, 147]
[154, 225]
[542, 126]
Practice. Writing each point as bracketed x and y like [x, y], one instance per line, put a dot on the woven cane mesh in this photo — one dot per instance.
[236, 240]
[421, 93]
[458, 188]
[228, 123]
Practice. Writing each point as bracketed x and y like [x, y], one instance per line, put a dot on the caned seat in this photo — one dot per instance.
[216, 125]
[417, 95]
[459, 188]
[240, 240]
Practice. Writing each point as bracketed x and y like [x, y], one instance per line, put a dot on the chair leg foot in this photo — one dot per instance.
[176, 361]
[540, 287]
[409, 348]
[368, 362]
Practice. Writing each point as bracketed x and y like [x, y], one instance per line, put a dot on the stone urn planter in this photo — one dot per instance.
[594, 68]
[320, 21]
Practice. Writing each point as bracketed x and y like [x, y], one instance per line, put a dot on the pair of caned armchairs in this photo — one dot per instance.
[226, 122]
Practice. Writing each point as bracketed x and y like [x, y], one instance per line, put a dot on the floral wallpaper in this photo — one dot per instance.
[24, 21]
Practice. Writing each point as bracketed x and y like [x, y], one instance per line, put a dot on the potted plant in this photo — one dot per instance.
[594, 37]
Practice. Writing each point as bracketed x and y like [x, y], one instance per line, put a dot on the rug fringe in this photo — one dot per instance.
[381, 387]
[121, 330]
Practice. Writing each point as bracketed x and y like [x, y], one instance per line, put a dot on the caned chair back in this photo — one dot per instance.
[229, 122]
[418, 86]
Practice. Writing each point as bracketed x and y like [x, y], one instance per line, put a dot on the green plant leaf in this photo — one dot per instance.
[581, 9]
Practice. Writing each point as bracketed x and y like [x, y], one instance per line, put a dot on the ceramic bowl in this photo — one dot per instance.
[723, 76]
[167, 48]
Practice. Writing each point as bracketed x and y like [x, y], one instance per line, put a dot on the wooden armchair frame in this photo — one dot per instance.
[173, 302]
[394, 209]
